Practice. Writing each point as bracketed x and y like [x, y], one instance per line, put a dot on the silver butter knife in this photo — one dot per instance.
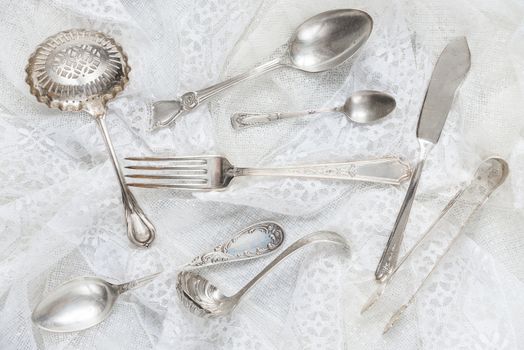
[449, 72]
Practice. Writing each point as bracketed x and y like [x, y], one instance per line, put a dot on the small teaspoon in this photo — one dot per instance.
[365, 106]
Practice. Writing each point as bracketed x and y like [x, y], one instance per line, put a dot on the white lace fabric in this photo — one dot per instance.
[60, 210]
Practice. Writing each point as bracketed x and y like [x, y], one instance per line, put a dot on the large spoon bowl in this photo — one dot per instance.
[81, 303]
[78, 304]
[326, 40]
[320, 43]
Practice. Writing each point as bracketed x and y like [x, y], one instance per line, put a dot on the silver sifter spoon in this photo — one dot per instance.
[322, 42]
[81, 303]
[204, 299]
[362, 107]
[81, 70]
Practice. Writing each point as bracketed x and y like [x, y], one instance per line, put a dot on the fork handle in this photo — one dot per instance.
[384, 170]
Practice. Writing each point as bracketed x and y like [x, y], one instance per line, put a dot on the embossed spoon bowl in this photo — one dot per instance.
[81, 70]
[204, 299]
[81, 303]
[322, 42]
[252, 242]
[365, 106]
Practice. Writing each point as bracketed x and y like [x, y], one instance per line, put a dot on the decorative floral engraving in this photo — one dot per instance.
[335, 170]
[222, 253]
[189, 101]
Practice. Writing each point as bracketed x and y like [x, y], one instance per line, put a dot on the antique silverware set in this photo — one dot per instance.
[82, 70]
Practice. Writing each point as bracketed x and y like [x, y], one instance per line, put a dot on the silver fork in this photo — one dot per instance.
[209, 172]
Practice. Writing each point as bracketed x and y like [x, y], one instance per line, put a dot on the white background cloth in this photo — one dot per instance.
[60, 210]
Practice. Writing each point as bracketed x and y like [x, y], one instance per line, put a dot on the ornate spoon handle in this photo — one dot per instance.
[124, 287]
[166, 112]
[242, 120]
[384, 170]
[252, 242]
[140, 230]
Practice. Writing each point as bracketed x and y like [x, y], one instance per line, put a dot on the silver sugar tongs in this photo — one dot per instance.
[491, 173]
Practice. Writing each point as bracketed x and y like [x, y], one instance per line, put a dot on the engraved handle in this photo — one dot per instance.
[140, 230]
[316, 237]
[166, 112]
[388, 260]
[244, 120]
[252, 242]
[386, 170]
[124, 287]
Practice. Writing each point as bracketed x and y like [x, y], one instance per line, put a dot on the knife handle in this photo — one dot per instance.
[389, 258]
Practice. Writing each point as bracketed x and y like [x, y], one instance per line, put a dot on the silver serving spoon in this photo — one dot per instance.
[252, 242]
[82, 70]
[204, 299]
[320, 43]
[81, 303]
[365, 106]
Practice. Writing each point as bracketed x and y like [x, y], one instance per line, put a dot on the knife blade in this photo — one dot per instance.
[450, 71]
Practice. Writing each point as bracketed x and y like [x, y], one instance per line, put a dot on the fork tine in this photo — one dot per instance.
[198, 160]
[187, 186]
[191, 168]
[167, 177]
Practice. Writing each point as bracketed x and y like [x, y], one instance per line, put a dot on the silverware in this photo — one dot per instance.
[255, 241]
[215, 172]
[501, 171]
[320, 43]
[80, 70]
[451, 69]
[362, 107]
[205, 299]
[81, 303]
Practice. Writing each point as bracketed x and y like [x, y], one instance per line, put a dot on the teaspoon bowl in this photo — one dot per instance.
[368, 106]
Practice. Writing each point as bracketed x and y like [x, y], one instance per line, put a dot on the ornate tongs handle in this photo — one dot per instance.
[447, 228]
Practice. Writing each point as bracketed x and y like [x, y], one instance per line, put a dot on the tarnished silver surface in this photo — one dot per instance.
[365, 106]
[451, 69]
[82, 70]
[206, 173]
[320, 43]
[81, 303]
[252, 242]
[204, 299]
